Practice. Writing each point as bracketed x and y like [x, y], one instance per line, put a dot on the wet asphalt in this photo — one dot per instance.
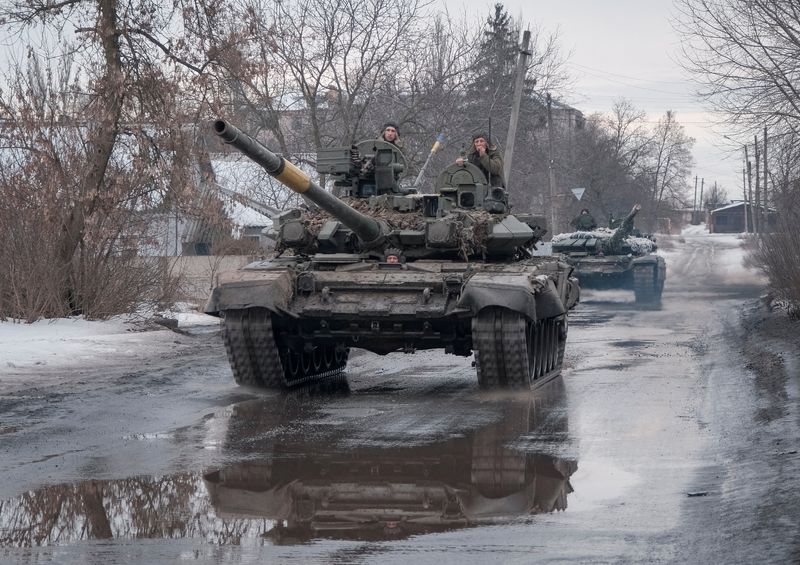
[672, 437]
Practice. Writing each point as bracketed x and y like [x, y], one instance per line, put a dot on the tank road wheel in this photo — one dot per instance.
[562, 326]
[322, 361]
[646, 286]
[306, 362]
[547, 348]
[317, 359]
[250, 345]
[328, 355]
[291, 365]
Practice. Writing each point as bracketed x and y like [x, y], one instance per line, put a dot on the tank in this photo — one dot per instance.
[616, 258]
[386, 269]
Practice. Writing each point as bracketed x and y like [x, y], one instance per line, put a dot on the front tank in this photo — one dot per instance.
[393, 271]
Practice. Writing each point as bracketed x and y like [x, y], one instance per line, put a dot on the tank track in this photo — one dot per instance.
[646, 286]
[515, 352]
[258, 359]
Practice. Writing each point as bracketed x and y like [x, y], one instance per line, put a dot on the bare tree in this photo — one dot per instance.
[426, 98]
[669, 163]
[629, 133]
[715, 198]
[337, 55]
[601, 168]
[746, 55]
[104, 139]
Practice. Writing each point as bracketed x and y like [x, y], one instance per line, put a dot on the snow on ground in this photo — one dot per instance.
[73, 341]
[729, 261]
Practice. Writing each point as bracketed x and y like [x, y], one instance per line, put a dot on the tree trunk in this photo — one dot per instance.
[100, 145]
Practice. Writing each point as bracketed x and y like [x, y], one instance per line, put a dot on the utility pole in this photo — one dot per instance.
[522, 66]
[551, 169]
[757, 213]
[694, 203]
[766, 198]
[702, 182]
[749, 186]
[744, 188]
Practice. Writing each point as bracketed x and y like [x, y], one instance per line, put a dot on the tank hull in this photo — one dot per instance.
[645, 275]
[289, 320]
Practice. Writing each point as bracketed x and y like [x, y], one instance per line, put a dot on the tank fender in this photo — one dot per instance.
[573, 293]
[648, 260]
[548, 300]
[534, 296]
[236, 290]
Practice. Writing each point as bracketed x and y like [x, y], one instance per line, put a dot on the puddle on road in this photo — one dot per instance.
[600, 480]
[296, 489]
[589, 318]
[632, 343]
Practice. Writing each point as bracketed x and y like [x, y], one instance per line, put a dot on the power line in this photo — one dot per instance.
[651, 89]
[620, 75]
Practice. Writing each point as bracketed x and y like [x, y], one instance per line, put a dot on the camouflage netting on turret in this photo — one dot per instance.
[473, 225]
[638, 245]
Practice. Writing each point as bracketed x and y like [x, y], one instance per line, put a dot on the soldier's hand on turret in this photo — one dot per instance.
[460, 161]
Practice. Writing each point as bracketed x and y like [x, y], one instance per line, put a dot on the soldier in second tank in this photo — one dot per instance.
[584, 221]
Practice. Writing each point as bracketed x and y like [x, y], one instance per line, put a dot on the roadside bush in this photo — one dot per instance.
[104, 279]
[108, 283]
[29, 283]
[777, 254]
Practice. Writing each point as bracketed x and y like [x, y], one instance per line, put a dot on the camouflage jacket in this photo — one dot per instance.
[490, 164]
[583, 222]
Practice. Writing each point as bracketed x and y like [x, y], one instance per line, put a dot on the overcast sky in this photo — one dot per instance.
[628, 48]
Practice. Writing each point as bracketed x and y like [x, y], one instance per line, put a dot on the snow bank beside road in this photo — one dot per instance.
[75, 341]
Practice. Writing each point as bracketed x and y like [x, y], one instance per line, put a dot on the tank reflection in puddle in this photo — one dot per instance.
[311, 491]
[304, 488]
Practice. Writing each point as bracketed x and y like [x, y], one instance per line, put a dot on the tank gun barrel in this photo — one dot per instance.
[626, 227]
[368, 230]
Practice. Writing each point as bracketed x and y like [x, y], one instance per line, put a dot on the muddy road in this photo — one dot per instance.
[672, 437]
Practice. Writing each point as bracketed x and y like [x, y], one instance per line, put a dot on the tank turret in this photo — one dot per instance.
[466, 217]
[386, 269]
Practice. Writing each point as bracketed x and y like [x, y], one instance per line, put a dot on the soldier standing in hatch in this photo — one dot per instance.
[391, 134]
[583, 221]
[487, 158]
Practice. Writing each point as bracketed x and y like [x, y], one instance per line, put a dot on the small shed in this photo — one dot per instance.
[731, 218]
